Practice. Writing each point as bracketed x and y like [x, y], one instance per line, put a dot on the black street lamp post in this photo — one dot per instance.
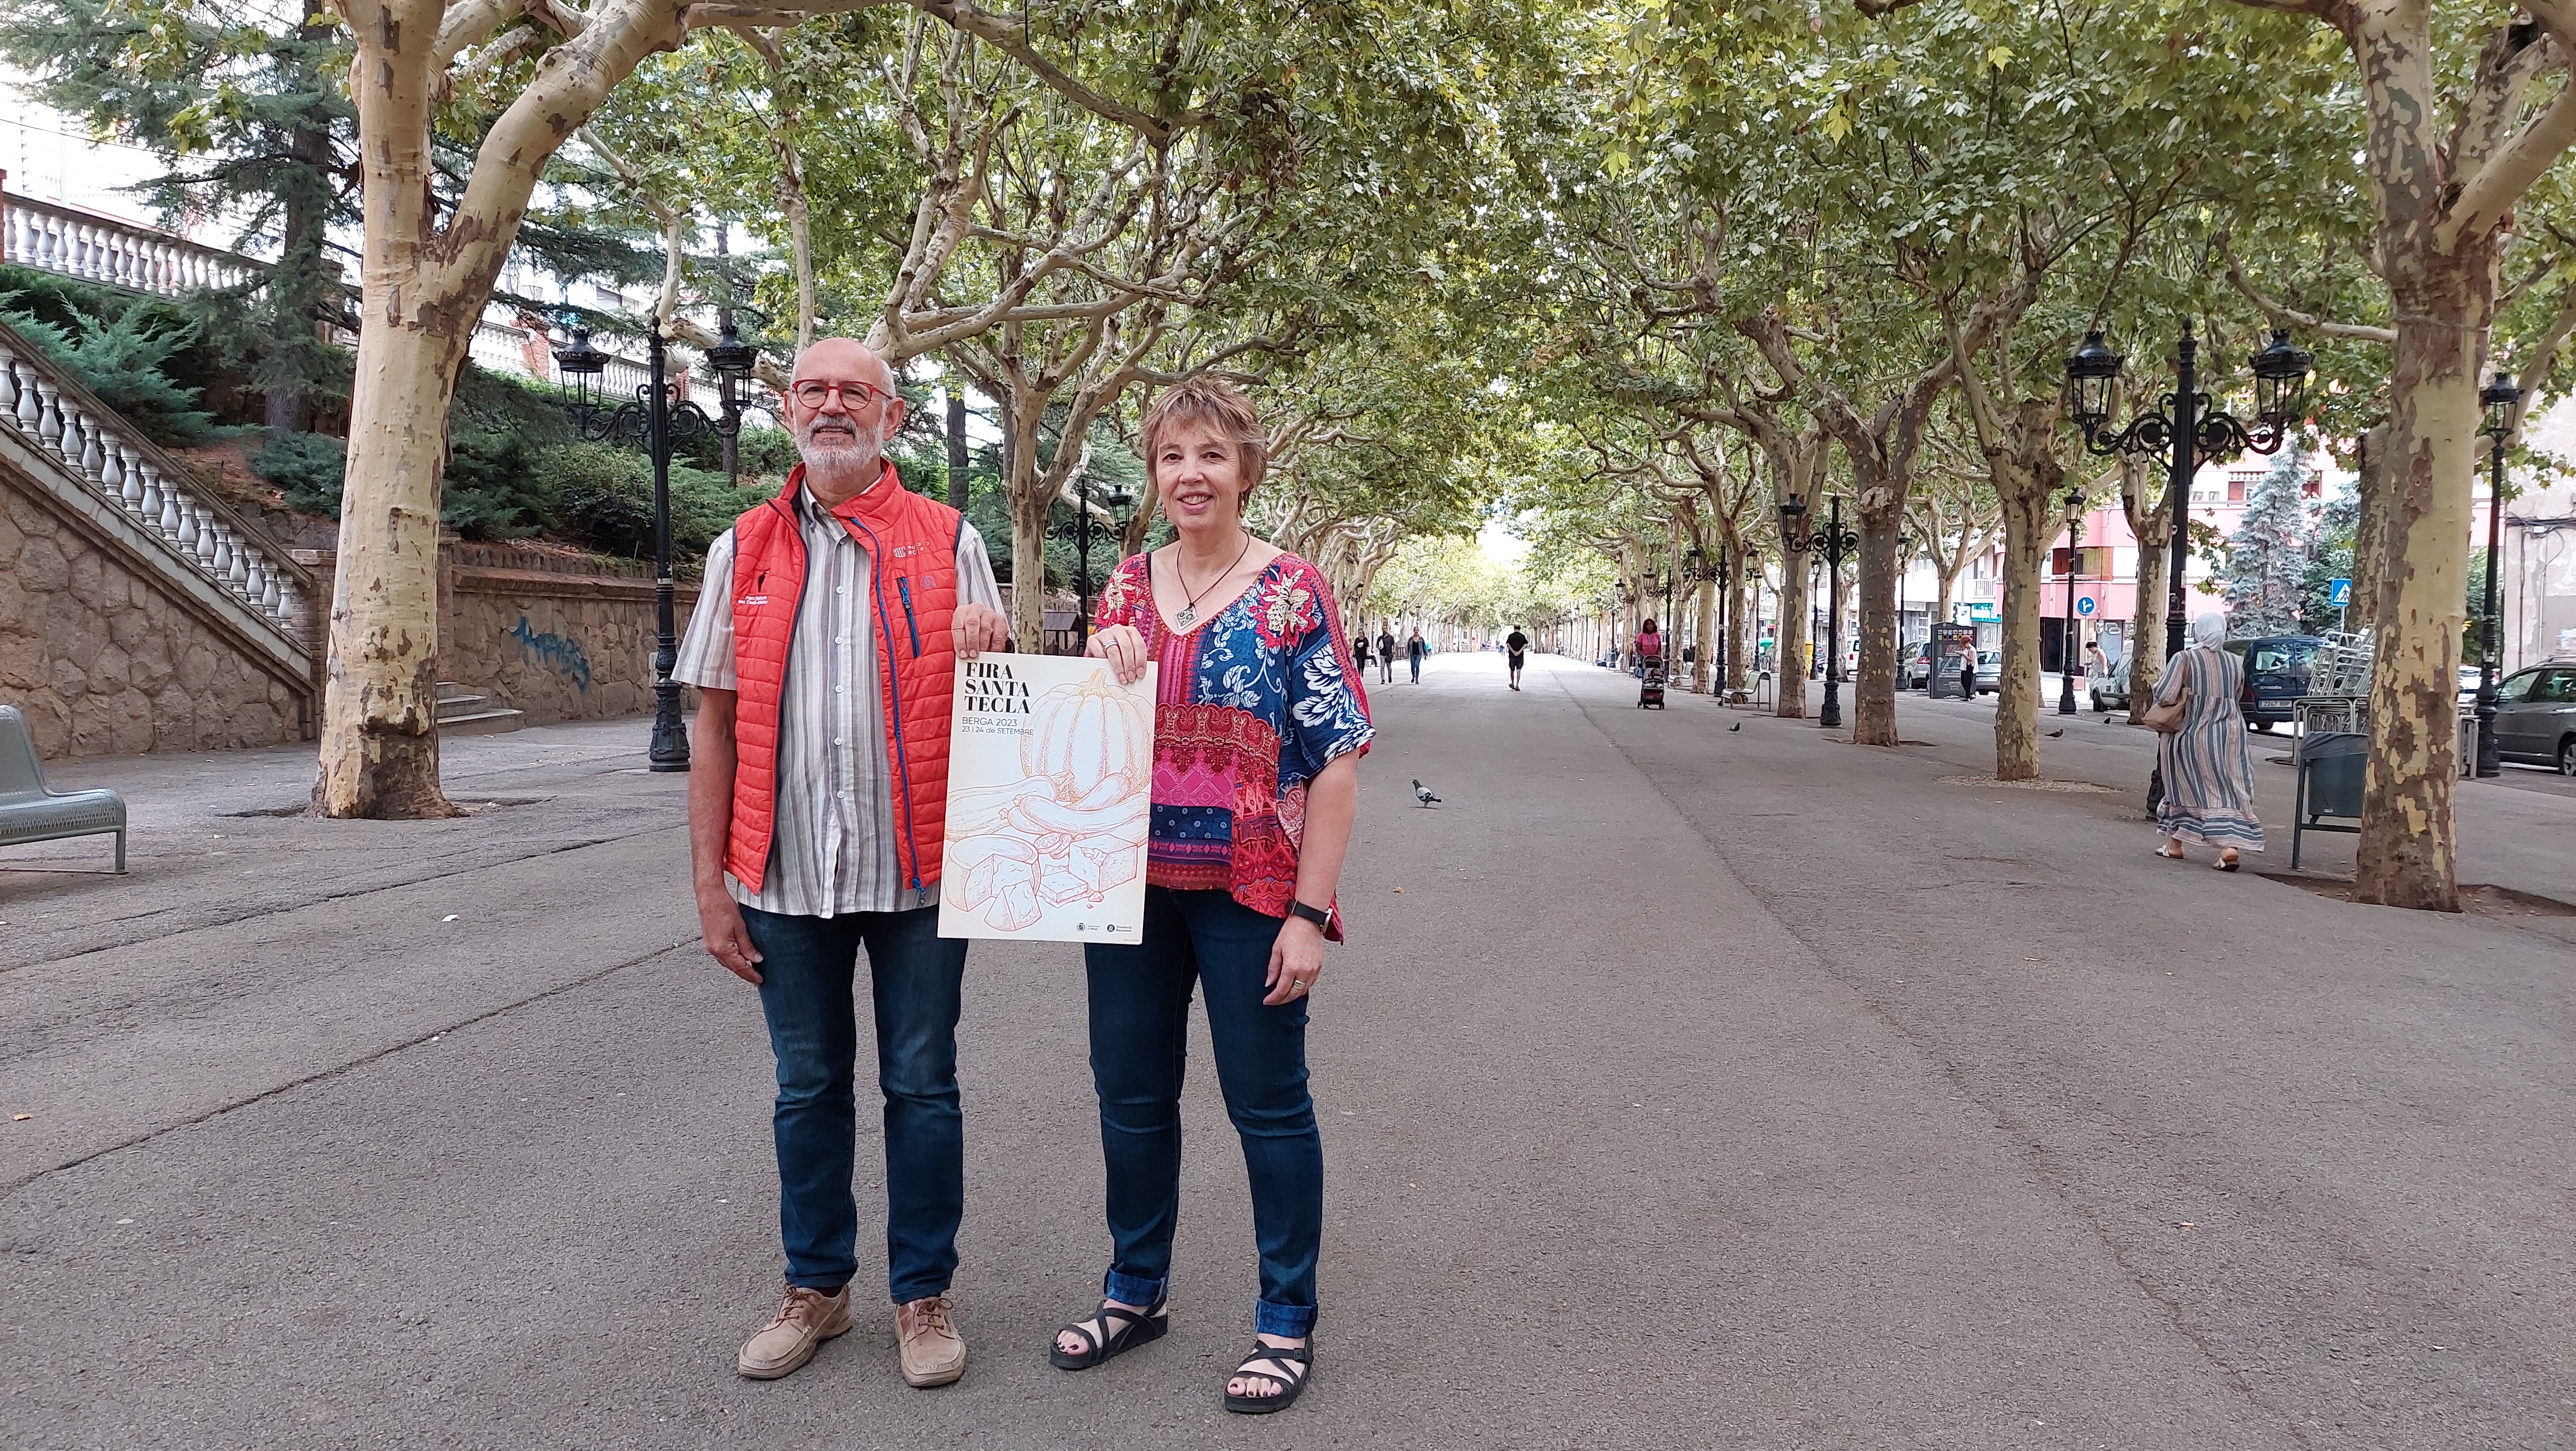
[1834, 544]
[1670, 628]
[2191, 430]
[656, 422]
[2500, 398]
[1118, 499]
[1817, 627]
[2074, 570]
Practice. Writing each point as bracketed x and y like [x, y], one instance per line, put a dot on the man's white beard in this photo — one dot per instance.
[857, 461]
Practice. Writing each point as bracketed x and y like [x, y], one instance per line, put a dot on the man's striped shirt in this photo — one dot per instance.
[832, 850]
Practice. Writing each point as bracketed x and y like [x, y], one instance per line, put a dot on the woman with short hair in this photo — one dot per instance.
[1260, 719]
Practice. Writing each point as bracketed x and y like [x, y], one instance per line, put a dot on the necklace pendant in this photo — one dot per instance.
[1187, 614]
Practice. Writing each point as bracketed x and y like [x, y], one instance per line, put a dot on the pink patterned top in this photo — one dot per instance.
[1252, 702]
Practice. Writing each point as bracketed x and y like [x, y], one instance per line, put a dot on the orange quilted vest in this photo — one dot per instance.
[912, 546]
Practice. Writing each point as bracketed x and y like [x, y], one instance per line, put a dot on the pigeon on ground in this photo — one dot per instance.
[2061, 730]
[1423, 794]
[1739, 725]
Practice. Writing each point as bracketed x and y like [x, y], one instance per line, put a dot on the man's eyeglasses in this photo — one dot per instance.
[853, 396]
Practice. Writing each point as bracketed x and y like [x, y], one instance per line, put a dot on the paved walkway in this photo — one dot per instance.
[1682, 1086]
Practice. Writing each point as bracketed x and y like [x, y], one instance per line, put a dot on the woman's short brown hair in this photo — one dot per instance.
[1219, 407]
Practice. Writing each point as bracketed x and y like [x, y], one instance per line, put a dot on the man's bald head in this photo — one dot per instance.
[841, 406]
[842, 360]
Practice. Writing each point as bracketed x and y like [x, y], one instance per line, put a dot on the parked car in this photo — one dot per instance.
[2276, 675]
[2109, 685]
[2536, 717]
[1990, 671]
[1914, 668]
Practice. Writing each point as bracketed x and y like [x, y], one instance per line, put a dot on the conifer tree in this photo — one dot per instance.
[249, 118]
[2268, 555]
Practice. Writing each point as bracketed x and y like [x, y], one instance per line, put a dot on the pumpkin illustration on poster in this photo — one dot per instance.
[1073, 829]
[1086, 733]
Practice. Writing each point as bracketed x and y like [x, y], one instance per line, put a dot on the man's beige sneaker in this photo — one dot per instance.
[805, 1319]
[934, 1354]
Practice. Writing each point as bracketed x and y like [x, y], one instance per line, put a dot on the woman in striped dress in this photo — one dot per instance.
[2208, 767]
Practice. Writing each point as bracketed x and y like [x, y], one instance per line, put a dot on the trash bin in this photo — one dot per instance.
[2330, 778]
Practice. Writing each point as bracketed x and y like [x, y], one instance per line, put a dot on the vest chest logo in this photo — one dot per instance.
[753, 601]
[904, 551]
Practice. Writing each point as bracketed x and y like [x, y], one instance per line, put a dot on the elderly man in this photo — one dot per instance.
[824, 648]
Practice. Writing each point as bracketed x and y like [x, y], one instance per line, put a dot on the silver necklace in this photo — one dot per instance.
[1190, 611]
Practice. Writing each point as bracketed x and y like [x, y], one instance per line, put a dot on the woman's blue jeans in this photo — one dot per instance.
[808, 970]
[1140, 1016]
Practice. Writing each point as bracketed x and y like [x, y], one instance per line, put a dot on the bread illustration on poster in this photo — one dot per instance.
[1050, 787]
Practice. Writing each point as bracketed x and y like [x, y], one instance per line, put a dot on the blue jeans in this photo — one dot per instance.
[1416, 662]
[1140, 1017]
[807, 970]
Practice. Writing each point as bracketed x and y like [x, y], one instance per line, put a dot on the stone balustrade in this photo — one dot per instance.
[75, 243]
[128, 471]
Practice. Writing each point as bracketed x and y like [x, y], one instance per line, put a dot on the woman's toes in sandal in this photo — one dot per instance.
[1270, 1379]
[1112, 1330]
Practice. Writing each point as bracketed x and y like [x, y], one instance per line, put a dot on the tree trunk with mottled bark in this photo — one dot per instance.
[2407, 856]
[2027, 476]
[2370, 528]
[2151, 523]
[1882, 520]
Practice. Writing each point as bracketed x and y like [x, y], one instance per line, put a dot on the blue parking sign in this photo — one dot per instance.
[2338, 592]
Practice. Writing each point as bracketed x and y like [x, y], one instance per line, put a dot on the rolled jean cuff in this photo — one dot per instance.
[1128, 1290]
[1292, 1322]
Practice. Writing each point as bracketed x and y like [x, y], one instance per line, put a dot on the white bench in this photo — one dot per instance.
[29, 811]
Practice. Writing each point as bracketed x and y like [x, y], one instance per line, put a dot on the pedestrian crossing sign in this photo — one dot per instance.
[2338, 593]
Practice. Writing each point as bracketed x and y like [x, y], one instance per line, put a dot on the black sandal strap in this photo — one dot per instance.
[1116, 1323]
[1283, 1357]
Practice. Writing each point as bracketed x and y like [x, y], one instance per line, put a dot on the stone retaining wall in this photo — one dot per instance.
[105, 660]
[558, 645]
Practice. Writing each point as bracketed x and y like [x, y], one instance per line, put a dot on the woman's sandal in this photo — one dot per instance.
[2226, 864]
[1127, 1330]
[1295, 1363]
[2171, 856]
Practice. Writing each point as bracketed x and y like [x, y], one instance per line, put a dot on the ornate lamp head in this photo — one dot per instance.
[2499, 399]
[582, 366]
[2090, 372]
[2281, 381]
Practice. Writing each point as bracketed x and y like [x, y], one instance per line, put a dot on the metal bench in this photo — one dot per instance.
[31, 812]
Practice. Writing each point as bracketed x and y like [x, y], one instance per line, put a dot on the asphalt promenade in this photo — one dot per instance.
[1682, 1086]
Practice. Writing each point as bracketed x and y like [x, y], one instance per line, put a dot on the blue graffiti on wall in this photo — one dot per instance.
[551, 649]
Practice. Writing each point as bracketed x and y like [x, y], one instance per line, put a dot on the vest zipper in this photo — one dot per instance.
[894, 703]
[903, 587]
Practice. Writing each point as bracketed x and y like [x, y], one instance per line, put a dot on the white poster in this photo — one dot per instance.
[1050, 784]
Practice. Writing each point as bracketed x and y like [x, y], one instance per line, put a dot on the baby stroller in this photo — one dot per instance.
[1650, 686]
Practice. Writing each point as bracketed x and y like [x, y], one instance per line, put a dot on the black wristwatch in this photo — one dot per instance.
[1315, 915]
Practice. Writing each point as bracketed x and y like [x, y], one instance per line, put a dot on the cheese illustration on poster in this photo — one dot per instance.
[1050, 786]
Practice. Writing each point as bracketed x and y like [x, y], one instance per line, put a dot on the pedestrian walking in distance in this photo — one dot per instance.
[1360, 650]
[1259, 726]
[2208, 767]
[1385, 656]
[1414, 650]
[824, 649]
[1650, 648]
[1514, 645]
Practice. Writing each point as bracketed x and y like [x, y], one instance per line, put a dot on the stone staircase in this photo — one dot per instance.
[462, 713]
